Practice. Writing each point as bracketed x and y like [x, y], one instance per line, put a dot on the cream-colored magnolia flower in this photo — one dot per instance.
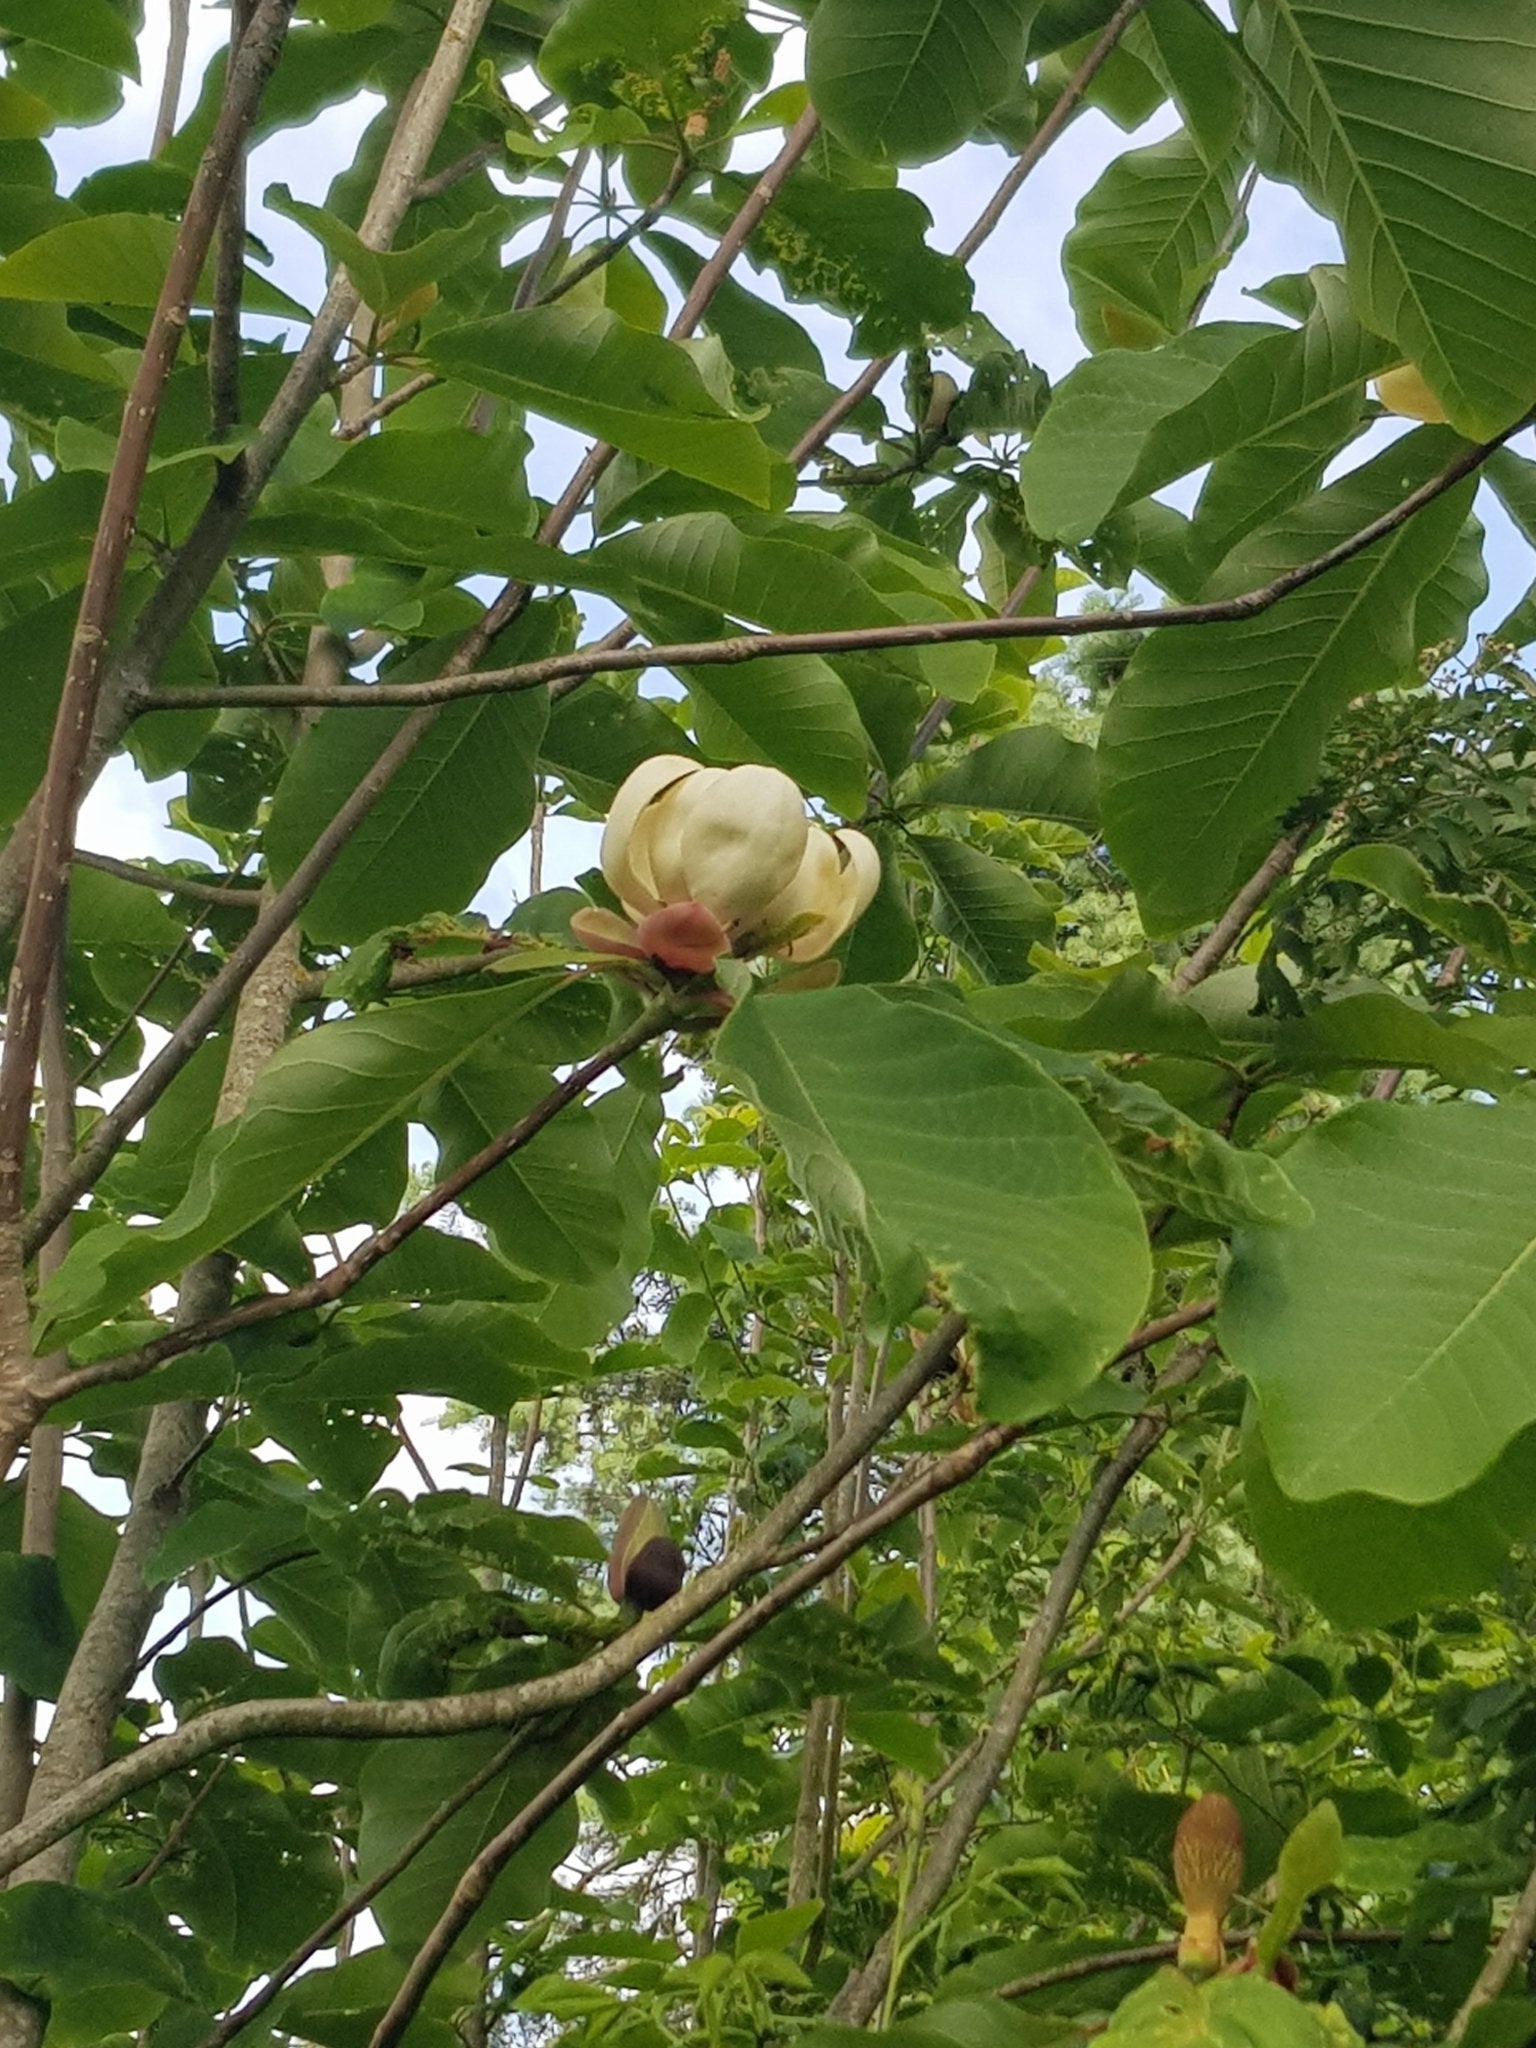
[714, 860]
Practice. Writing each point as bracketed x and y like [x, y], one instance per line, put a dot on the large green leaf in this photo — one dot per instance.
[550, 1209]
[1032, 772]
[1128, 421]
[591, 370]
[909, 79]
[1171, 2011]
[1475, 922]
[1194, 58]
[992, 912]
[319, 1098]
[945, 1149]
[404, 1783]
[442, 496]
[1414, 126]
[1265, 406]
[1316, 398]
[463, 796]
[1145, 242]
[37, 1635]
[795, 713]
[1366, 1561]
[342, 2005]
[103, 1964]
[117, 259]
[1213, 730]
[387, 278]
[92, 30]
[1390, 1344]
[864, 248]
[653, 55]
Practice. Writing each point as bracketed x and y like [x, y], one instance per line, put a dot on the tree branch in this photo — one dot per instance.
[1229, 927]
[605, 251]
[175, 71]
[42, 917]
[457, 1713]
[229, 274]
[554, 233]
[940, 1477]
[199, 1608]
[573, 668]
[1165, 1951]
[169, 885]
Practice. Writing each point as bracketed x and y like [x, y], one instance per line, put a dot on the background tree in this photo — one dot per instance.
[1085, 1352]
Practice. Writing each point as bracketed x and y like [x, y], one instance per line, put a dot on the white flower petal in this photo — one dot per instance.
[638, 791]
[855, 878]
[741, 842]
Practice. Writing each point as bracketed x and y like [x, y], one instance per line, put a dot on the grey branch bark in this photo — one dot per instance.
[1229, 927]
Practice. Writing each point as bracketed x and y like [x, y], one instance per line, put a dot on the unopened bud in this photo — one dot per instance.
[1207, 1871]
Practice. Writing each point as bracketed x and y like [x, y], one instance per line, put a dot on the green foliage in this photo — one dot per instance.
[1079, 1074]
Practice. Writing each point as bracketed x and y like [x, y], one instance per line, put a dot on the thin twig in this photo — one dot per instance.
[179, 1828]
[169, 885]
[228, 274]
[940, 1477]
[453, 174]
[554, 233]
[1165, 1951]
[566, 671]
[175, 71]
[423, 1469]
[864, 1989]
[1092, 1646]
[1390, 1079]
[200, 1607]
[353, 429]
[525, 1455]
[1229, 927]
[137, 1007]
[605, 251]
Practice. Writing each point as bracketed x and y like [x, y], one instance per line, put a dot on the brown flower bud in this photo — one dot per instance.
[656, 1572]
